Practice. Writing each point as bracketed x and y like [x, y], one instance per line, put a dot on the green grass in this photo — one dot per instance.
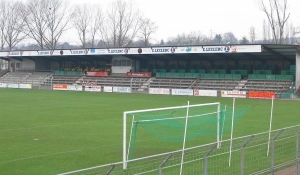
[50, 132]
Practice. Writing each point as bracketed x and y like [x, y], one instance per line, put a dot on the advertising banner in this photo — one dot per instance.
[207, 93]
[74, 88]
[3, 85]
[15, 53]
[122, 89]
[92, 88]
[189, 92]
[25, 86]
[140, 50]
[262, 95]
[107, 89]
[12, 85]
[138, 74]
[236, 94]
[60, 87]
[97, 74]
[164, 91]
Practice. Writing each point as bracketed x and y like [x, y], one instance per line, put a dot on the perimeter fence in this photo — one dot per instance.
[275, 152]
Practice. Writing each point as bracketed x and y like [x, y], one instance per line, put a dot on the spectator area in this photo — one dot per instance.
[34, 78]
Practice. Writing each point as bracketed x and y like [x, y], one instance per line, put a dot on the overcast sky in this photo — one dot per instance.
[208, 16]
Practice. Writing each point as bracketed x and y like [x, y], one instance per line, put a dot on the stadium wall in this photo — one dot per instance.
[119, 67]
[297, 76]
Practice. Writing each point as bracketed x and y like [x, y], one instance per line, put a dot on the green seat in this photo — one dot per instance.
[195, 75]
[228, 76]
[236, 76]
[288, 77]
[181, 74]
[222, 76]
[216, 76]
[270, 77]
[207, 76]
[188, 75]
[169, 74]
[175, 75]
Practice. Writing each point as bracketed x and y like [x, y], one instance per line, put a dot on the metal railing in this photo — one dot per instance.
[249, 156]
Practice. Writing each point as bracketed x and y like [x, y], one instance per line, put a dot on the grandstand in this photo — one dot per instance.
[267, 68]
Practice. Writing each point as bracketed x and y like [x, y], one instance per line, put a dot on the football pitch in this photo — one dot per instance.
[51, 132]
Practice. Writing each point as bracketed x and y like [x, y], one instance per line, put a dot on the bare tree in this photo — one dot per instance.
[229, 38]
[277, 15]
[122, 24]
[147, 29]
[96, 24]
[14, 28]
[46, 20]
[292, 33]
[3, 8]
[195, 38]
[252, 33]
[81, 18]
[218, 39]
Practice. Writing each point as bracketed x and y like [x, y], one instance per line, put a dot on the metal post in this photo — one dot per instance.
[110, 169]
[205, 158]
[242, 154]
[273, 149]
[297, 153]
[163, 162]
[51, 87]
[131, 85]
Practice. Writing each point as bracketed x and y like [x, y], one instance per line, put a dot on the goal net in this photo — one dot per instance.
[154, 131]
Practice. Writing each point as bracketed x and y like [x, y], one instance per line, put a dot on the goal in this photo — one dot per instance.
[159, 130]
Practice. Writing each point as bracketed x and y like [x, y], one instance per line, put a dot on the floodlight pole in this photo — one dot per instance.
[184, 137]
[270, 128]
[232, 121]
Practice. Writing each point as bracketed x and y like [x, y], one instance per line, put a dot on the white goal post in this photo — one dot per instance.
[186, 107]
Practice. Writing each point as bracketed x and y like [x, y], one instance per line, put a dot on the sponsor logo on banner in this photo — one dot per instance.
[237, 94]
[263, 95]
[98, 51]
[246, 48]
[92, 88]
[74, 88]
[97, 74]
[19, 53]
[42, 53]
[12, 85]
[159, 91]
[122, 89]
[216, 49]
[138, 74]
[188, 49]
[182, 92]
[116, 51]
[107, 89]
[164, 50]
[3, 85]
[79, 52]
[60, 87]
[25, 86]
[207, 93]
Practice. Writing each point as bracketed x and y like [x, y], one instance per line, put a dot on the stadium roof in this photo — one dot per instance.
[250, 51]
